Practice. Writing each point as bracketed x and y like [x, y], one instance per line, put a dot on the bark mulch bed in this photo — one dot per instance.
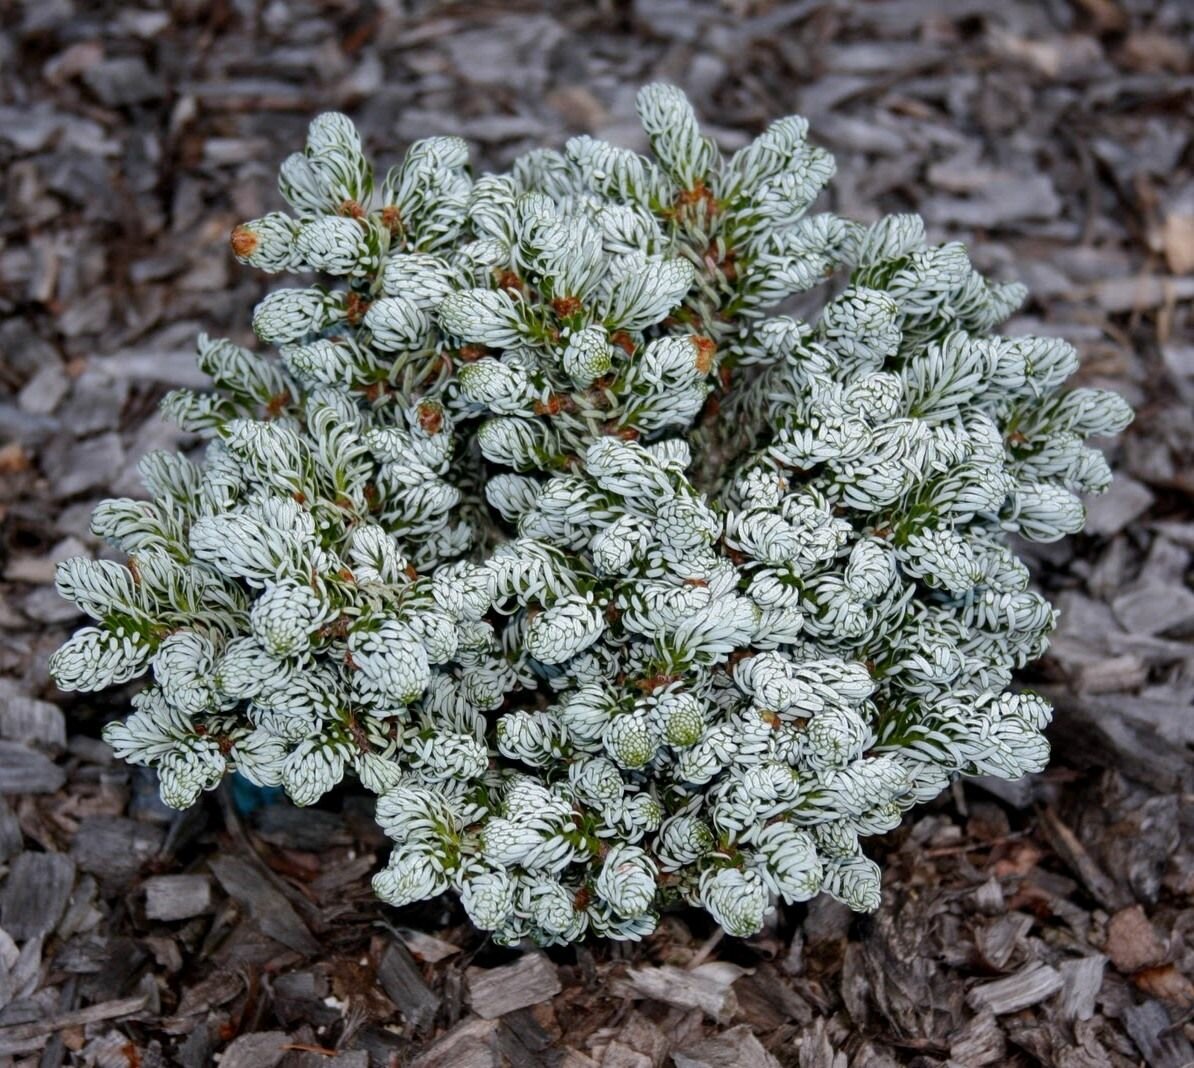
[1044, 922]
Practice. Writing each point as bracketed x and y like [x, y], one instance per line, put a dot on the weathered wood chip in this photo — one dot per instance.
[988, 897]
[11, 837]
[177, 897]
[1029, 986]
[1146, 739]
[299, 828]
[619, 1055]
[527, 1033]
[997, 940]
[1019, 793]
[270, 910]
[26, 771]
[29, 721]
[1082, 979]
[493, 992]
[574, 1059]
[105, 1010]
[356, 1058]
[472, 1043]
[303, 986]
[24, 974]
[263, 1049]
[215, 989]
[1138, 293]
[12, 1047]
[735, 1048]
[979, 1042]
[767, 1001]
[426, 947]
[197, 1049]
[1110, 674]
[1163, 1045]
[115, 848]
[638, 1043]
[9, 953]
[404, 985]
[1074, 853]
[1155, 607]
[1124, 502]
[35, 894]
[998, 199]
[708, 987]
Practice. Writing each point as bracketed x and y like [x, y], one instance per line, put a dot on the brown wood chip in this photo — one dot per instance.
[32, 722]
[708, 987]
[1053, 139]
[263, 1049]
[735, 1048]
[177, 897]
[35, 894]
[997, 940]
[472, 1043]
[270, 910]
[105, 1010]
[114, 848]
[1082, 979]
[1163, 1044]
[980, 1042]
[25, 771]
[493, 992]
[1132, 942]
[1030, 985]
[404, 985]
[1070, 849]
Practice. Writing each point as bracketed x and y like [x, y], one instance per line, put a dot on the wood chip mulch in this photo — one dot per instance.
[1047, 922]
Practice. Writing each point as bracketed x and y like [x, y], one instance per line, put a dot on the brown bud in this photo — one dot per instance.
[624, 341]
[552, 406]
[243, 241]
[705, 347]
[355, 307]
[654, 682]
[277, 404]
[565, 306]
[431, 417]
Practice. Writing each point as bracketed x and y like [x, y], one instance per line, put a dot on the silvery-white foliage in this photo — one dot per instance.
[479, 537]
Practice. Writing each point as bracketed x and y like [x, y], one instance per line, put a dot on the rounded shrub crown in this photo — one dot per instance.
[619, 586]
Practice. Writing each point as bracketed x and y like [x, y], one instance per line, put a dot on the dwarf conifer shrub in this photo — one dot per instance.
[446, 538]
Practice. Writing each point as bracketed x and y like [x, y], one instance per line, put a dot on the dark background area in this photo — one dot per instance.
[1045, 922]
